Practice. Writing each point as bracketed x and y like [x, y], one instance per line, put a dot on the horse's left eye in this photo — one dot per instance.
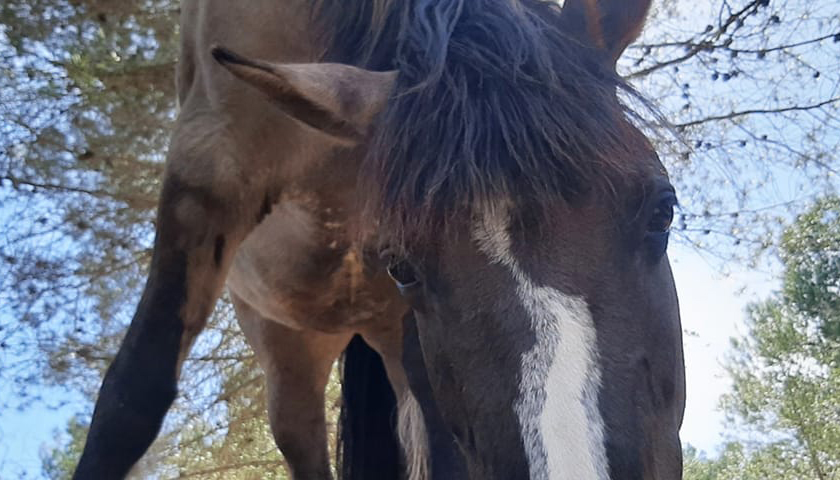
[659, 225]
[663, 215]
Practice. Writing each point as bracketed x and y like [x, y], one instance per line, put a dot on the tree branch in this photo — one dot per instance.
[702, 46]
[132, 200]
[210, 471]
[742, 113]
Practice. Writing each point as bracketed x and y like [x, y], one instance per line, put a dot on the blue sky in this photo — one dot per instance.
[23, 434]
[712, 309]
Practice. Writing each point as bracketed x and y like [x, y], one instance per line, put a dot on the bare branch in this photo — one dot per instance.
[224, 468]
[696, 48]
[742, 113]
[133, 200]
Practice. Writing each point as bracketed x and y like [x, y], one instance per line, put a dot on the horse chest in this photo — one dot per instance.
[301, 270]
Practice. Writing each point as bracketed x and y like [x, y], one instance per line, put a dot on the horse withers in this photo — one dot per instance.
[476, 153]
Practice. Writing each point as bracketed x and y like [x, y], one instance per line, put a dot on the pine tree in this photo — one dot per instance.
[785, 399]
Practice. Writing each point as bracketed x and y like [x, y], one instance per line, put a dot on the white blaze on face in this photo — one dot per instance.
[562, 428]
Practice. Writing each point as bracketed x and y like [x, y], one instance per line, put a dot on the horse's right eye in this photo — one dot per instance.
[403, 274]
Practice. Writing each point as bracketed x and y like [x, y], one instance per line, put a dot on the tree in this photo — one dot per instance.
[749, 87]
[218, 427]
[86, 106]
[785, 398]
[58, 461]
[737, 462]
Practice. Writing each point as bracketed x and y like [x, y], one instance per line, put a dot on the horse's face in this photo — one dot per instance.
[549, 326]
[552, 342]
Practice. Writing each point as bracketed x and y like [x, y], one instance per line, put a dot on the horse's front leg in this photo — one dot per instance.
[202, 218]
[297, 365]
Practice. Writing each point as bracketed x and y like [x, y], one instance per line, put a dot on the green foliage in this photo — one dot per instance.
[737, 462]
[696, 466]
[785, 398]
[59, 461]
[811, 253]
[238, 444]
[85, 111]
[218, 426]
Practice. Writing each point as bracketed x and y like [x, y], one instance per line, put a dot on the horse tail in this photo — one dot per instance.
[368, 447]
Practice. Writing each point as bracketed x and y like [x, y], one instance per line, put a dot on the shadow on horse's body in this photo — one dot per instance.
[546, 342]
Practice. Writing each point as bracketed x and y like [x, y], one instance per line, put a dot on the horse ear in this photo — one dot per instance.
[607, 25]
[340, 100]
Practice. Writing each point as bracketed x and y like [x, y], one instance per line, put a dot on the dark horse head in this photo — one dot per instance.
[525, 217]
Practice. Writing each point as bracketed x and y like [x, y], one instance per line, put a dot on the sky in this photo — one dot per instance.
[712, 307]
[24, 434]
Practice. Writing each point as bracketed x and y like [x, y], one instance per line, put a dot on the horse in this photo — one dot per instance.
[448, 191]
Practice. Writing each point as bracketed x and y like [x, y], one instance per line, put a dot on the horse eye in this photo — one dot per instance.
[659, 226]
[663, 215]
[403, 274]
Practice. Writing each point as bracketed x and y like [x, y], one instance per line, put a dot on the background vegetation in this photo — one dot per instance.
[86, 103]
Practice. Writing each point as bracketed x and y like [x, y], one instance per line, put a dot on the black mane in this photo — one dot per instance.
[493, 98]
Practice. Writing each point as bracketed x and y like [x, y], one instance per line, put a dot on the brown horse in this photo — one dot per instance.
[475, 154]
